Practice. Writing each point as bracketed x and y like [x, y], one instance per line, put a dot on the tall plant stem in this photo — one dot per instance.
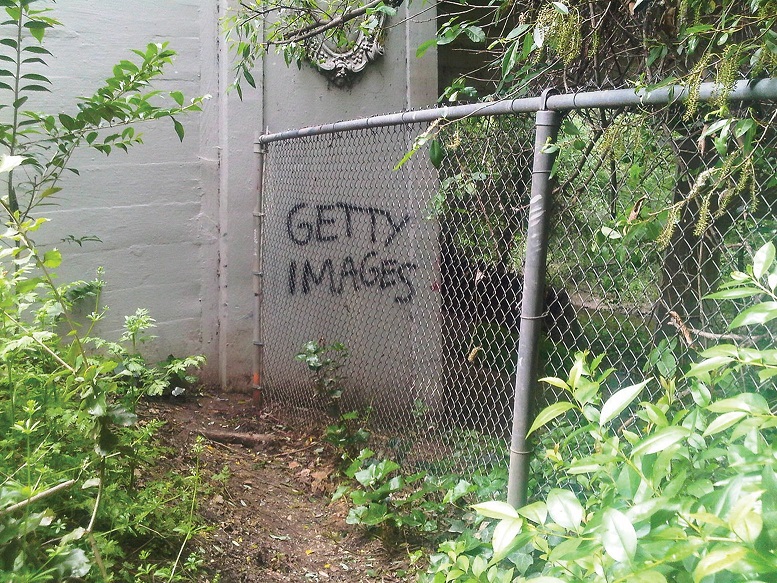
[13, 202]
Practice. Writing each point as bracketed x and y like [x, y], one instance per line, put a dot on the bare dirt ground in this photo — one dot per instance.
[271, 519]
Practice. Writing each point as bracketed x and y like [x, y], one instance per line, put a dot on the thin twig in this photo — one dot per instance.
[39, 496]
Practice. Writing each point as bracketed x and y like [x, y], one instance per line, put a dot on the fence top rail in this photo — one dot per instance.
[746, 90]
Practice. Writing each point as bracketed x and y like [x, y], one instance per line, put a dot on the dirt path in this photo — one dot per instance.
[271, 518]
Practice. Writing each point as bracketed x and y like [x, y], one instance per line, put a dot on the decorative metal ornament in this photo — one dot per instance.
[341, 65]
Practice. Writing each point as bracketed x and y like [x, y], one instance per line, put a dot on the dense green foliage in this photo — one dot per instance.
[680, 489]
[80, 495]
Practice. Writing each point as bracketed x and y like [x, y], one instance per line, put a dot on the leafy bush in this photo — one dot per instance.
[672, 491]
[71, 506]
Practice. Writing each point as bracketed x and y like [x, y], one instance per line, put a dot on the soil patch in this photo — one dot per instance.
[267, 501]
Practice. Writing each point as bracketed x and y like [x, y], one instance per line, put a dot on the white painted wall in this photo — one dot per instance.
[176, 219]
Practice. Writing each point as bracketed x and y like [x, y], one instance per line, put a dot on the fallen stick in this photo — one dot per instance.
[245, 439]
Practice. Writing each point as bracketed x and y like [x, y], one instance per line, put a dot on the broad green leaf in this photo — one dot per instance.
[721, 350]
[561, 7]
[548, 414]
[425, 46]
[734, 293]
[651, 576]
[762, 260]
[748, 402]
[556, 382]
[495, 509]
[718, 560]
[177, 97]
[660, 440]
[618, 537]
[565, 509]
[758, 314]
[178, 128]
[52, 259]
[505, 533]
[723, 422]
[745, 518]
[707, 365]
[536, 512]
[619, 401]
[547, 579]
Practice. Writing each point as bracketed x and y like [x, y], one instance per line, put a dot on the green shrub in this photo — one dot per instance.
[680, 490]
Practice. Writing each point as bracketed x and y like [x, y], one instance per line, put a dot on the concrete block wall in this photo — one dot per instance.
[175, 219]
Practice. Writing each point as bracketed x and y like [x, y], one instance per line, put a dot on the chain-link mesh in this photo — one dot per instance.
[418, 270]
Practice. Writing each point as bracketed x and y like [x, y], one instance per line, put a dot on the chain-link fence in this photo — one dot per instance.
[418, 267]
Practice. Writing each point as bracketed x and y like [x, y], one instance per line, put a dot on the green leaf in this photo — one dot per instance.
[565, 509]
[707, 365]
[35, 87]
[475, 33]
[178, 97]
[178, 128]
[758, 314]
[536, 512]
[505, 533]
[619, 401]
[425, 46]
[436, 153]
[763, 259]
[52, 259]
[548, 414]
[618, 537]
[660, 440]
[745, 518]
[718, 560]
[496, 509]
[734, 294]
[562, 8]
[556, 382]
[748, 402]
[651, 576]
[723, 422]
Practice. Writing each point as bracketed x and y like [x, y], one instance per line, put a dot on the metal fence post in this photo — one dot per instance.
[532, 305]
[257, 397]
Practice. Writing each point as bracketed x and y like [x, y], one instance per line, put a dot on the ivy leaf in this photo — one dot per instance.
[565, 509]
[619, 401]
[619, 537]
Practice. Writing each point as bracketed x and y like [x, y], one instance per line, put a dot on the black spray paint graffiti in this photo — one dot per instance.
[324, 223]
